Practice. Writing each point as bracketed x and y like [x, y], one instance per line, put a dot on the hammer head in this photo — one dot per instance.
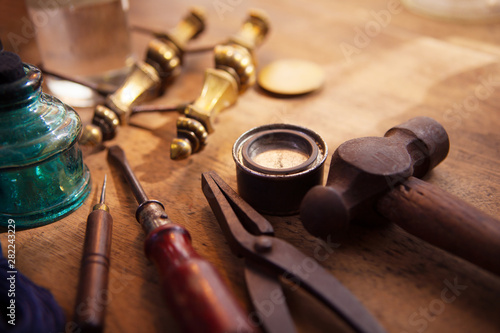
[362, 170]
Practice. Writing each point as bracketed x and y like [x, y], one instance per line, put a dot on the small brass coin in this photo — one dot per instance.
[291, 77]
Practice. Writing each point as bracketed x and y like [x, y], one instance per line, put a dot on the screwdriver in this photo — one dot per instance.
[92, 295]
[192, 288]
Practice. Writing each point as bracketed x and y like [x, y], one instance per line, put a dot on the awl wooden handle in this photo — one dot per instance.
[192, 288]
[91, 299]
[445, 221]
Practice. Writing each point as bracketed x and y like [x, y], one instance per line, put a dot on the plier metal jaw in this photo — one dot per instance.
[267, 258]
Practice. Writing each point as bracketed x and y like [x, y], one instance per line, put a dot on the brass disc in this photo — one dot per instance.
[291, 77]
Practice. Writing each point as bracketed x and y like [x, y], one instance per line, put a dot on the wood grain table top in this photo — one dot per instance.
[383, 66]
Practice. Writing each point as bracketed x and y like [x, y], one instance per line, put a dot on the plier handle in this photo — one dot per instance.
[267, 258]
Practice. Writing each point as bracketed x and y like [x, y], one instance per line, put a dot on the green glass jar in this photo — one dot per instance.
[42, 174]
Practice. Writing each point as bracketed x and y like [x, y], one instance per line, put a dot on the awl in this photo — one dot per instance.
[94, 272]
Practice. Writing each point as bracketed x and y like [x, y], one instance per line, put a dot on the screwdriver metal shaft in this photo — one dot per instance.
[92, 293]
[192, 288]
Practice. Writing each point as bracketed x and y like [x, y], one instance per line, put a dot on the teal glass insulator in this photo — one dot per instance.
[42, 174]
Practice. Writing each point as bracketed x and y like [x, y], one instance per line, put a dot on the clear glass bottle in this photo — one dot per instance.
[87, 40]
[42, 174]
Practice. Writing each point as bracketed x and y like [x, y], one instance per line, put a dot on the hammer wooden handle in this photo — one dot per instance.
[193, 289]
[445, 221]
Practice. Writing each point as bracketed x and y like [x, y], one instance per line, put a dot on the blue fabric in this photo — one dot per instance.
[36, 310]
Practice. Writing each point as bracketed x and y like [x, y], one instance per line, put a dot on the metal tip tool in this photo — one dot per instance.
[169, 247]
[101, 205]
[103, 191]
[94, 269]
[117, 154]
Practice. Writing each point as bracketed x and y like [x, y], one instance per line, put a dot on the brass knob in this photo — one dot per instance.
[234, 72]
[143, 83]
[238, 61]
[107, 120]
[165, 53]
[91, 135]
[189, 28]
[253, 31]
[191, 137]
[103, 128]
[162, 64]
[149, 78]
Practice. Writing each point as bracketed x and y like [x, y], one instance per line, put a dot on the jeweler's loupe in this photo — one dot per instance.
[276, 165]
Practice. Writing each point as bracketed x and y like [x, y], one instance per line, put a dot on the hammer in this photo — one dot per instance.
[376, 179]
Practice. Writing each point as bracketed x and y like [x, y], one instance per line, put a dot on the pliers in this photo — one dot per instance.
[267, 258]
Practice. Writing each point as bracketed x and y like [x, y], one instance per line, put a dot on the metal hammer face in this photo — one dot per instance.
[364, 169]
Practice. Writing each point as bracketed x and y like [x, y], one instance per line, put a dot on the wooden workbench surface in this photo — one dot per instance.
[406, 66]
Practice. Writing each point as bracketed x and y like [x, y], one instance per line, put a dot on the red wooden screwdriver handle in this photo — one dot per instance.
[194, 291]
